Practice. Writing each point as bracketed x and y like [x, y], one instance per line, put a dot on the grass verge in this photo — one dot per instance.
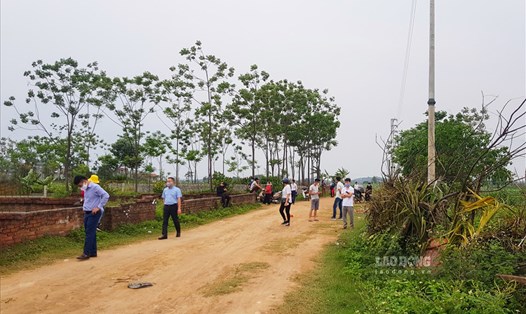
[352, 277]
[45, 250]
[328, 288]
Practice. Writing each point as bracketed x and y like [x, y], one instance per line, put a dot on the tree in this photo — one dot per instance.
[124, 151]
[342, 173]
[108, 166]
[460, 141]
[209, 77]
[245, 110]
[156, 145]
[68, 89]
[136, 99]
[174, 93]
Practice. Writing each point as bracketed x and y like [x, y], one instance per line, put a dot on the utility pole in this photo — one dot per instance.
[391, 143]
[431, 153]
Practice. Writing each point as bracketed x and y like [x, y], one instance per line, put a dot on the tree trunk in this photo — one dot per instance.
[177, 161]
[161, 170]
[67, 164]
[254, 158]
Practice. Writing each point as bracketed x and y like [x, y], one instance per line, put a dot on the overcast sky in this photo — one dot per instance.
[356, 49]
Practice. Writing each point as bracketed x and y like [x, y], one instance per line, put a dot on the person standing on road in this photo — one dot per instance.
[94, 200]
[95, 179]
[348, 203]
[294, 190]
[337, 199]
[286, 200]
[268, 193]
[314, 199]
[172, 207]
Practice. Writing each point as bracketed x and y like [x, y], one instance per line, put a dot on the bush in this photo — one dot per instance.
[512, 196]
[58, 190]
[464, 283]
[158, 187]
[479, 261]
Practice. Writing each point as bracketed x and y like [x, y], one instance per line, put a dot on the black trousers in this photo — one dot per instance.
[286, 209]
[294, 194]
[225, 200]
[268, 199]
[170, 211]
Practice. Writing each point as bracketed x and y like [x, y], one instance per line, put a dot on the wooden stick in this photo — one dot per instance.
[518, 279]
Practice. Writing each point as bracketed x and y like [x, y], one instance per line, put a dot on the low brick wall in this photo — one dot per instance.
[141, 210]
[23, 219]
[33, 223]
[29, 204]
[17, 227]
[195, 205]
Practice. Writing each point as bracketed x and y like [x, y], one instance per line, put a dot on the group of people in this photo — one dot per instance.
[95, 198]
[267, 193]
[344, 199]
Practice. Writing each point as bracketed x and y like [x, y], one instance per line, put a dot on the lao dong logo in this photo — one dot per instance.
[403, 261]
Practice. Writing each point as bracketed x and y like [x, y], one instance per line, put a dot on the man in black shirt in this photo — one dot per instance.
[222, 192]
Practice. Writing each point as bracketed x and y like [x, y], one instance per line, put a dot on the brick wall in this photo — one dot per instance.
[195, 205]
[23, 219]
[141, 210]
[35, 222]
[16, 227]
[29, 204]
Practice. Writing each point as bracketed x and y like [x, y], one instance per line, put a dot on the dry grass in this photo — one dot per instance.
[284, 245]
[233, 279]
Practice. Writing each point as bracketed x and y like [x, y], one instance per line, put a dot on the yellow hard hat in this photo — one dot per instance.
[94, 178]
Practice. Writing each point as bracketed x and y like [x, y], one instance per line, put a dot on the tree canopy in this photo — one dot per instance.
[461, 148]
[204, 112]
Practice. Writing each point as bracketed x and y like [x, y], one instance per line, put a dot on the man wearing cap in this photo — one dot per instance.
[314, 199]
[94, 200]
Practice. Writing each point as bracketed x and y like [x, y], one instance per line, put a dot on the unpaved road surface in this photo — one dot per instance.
[243, 264]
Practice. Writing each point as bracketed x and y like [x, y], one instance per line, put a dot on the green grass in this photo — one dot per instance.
[48, 249]
[329, 288]
[347, 280]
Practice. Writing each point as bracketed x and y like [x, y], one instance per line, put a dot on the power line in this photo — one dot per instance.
[408, 47]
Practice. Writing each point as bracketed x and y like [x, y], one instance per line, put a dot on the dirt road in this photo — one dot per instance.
[243, 264]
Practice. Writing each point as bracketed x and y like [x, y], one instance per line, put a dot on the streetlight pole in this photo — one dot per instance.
[431, 153]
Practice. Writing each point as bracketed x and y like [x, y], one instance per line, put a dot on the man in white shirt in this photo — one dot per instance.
[286, 200]
[294, 190]
[314, 199]
[256, 188]
[347, 195]
[337, 199]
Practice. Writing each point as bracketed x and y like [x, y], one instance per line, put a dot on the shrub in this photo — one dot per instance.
[58, 190]
[479, 261]
[463, 284]
[158, 187]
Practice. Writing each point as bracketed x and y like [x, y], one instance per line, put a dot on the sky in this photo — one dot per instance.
[354, 48]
